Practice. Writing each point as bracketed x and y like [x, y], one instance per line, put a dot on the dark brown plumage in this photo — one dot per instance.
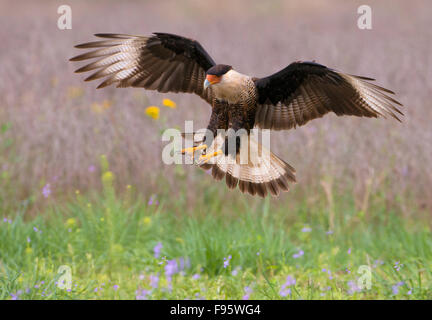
[289, 98]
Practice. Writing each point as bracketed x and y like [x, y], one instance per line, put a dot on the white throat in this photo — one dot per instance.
[231, 86]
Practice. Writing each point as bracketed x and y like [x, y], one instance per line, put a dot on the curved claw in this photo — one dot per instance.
[205, 158]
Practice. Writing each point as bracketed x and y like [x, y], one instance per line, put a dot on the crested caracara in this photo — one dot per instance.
[289, 98]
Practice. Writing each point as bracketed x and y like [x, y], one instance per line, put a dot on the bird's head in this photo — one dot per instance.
[215, 74]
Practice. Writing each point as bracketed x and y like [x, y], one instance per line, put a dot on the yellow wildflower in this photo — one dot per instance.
[147, 221]
[71, 222]
[102, 277]
[75, 92]
[54, 81]
[107, 177]
[152, 112]
[106, 104]
[97, 108]
[28, 250]
[169, 103]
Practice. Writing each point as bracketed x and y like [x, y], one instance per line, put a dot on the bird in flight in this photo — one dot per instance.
[286, 99]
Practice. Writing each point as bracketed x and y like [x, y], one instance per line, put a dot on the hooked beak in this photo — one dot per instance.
[207, 84]
[211, 80]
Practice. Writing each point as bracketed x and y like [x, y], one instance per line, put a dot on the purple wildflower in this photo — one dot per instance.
[196, 276]
[395, 289]
[227, 261]
[298, 254]
[35, 229]
[398, 265]
[236, 271]
[181, 263]
[328, 272]
[349, 251]
[306, 229]
[154, 281]
[153, 201]
[115, 287]
[46, 191]
[353, 287]
[377, 262]
[157, 249]
[92, 168]
[285, 290]
[28, 239]
[329, 232]
[248, 290]
[171, 268]
[197, 296]
[290, 281]
[142, 295]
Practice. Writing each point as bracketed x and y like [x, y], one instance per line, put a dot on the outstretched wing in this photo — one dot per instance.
[306, 90]
[163, 62]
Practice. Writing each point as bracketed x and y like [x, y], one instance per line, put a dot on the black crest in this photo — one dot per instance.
[219, 70]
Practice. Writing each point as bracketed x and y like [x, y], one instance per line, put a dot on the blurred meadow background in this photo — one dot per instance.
[82, 182]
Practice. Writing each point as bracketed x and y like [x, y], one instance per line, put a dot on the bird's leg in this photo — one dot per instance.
[218, 120]
[193, 149]
[206, 157]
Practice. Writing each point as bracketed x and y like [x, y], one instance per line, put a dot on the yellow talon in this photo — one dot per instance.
[205, 158]
[193, 149]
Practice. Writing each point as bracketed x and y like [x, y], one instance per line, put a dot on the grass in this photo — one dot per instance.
[111, 242]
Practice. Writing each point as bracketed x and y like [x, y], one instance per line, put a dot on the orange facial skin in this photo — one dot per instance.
[212, 78]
